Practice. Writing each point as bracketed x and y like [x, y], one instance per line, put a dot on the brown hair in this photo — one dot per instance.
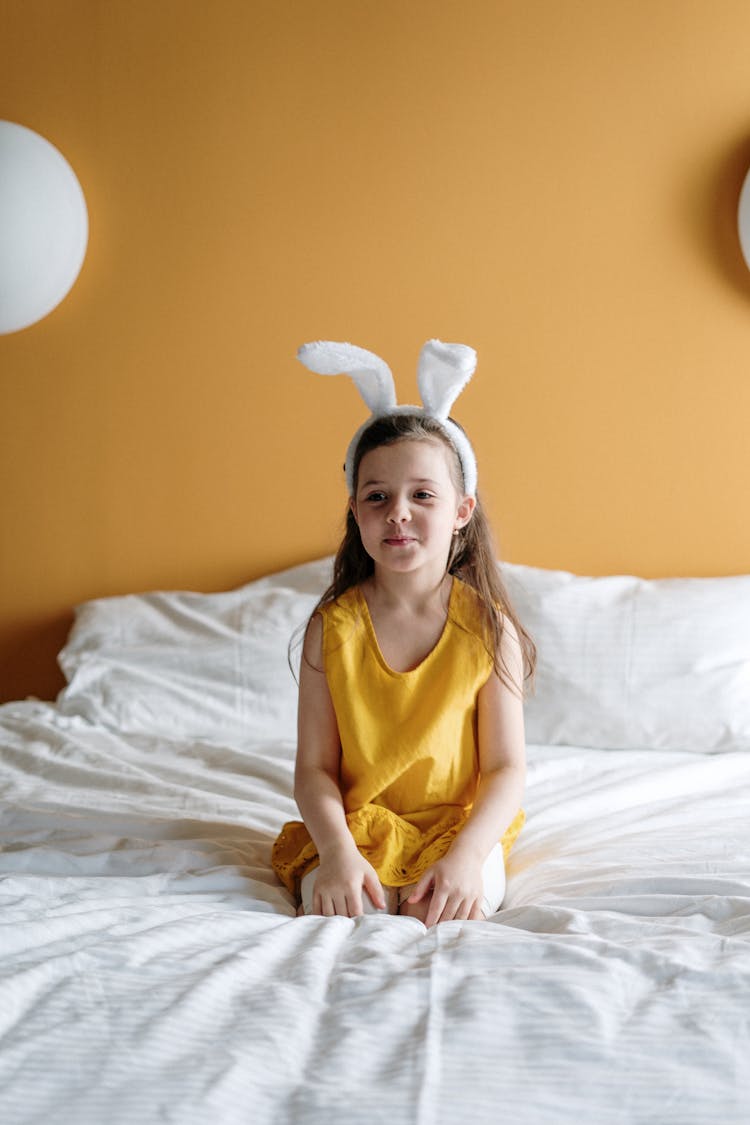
[472, 557]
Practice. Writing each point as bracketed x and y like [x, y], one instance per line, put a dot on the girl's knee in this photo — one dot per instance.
[415, 909]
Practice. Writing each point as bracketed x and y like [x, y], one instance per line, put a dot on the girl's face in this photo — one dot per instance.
[407, 506]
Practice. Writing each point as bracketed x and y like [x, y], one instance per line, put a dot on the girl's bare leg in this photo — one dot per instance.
[415, 909]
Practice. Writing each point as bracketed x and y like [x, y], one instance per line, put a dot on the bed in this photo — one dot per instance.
[152, 967]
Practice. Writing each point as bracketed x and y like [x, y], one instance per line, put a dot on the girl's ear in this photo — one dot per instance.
[465, 511]
[353, 509]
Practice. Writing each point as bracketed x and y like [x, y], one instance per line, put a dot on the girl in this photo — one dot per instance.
[410, 763]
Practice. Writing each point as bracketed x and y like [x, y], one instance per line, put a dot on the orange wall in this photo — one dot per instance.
[552, 181]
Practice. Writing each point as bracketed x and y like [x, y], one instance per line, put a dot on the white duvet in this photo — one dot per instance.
[152, 969]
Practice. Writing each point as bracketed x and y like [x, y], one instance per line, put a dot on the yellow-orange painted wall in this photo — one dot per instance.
[552, 181]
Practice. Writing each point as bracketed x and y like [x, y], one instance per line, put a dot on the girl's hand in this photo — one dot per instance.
[457, 889]
[343, 875]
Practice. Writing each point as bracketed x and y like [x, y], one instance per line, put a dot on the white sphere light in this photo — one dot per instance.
[743, 219]
[43, 227]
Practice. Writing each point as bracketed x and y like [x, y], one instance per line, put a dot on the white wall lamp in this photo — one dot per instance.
[743, 219]
[43, 227]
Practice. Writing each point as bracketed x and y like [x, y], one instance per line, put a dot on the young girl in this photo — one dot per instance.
[410, 763]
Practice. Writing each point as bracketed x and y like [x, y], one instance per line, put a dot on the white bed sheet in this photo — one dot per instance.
[152, 970]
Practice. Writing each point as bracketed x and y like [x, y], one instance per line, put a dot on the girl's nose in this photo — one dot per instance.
[398, 511]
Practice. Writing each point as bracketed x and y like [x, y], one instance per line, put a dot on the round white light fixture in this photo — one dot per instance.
[743, 219]
[43, 227]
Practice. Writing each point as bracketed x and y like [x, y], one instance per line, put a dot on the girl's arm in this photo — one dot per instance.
[456, 879]
[343, 872]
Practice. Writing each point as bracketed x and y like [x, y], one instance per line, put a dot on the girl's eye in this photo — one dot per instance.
[375, 497]
[423, 494]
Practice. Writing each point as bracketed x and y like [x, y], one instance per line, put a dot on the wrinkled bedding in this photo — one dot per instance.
[152, 969]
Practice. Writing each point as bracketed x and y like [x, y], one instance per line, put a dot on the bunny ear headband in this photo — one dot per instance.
[442, 373]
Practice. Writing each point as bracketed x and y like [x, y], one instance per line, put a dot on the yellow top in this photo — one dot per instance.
[409, 764]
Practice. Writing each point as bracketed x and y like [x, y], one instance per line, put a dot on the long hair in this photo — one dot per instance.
[472, 556]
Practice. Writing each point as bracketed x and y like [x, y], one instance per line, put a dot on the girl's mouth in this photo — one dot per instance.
[399, 541]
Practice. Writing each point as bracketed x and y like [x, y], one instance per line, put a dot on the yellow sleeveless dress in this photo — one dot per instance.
[409, 765]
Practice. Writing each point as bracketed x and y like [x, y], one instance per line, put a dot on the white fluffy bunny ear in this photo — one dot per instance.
[371, 373]
[442, 373]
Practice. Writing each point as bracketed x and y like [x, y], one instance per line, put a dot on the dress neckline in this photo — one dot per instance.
[376, 643]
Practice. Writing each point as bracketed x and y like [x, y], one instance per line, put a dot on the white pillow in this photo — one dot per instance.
[630, 663]
[623, 662]
[208, 666]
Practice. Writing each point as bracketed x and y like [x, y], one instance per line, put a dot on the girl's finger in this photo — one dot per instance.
[354, 905]
[421, 889]
[456, 908]
[374, 889]
[464, 910]
[451, 908]
[437, 909]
